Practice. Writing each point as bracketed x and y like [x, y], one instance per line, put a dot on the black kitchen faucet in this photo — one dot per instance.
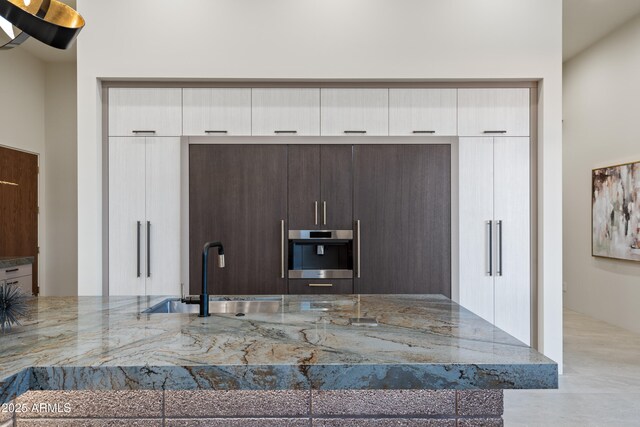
[204, 296]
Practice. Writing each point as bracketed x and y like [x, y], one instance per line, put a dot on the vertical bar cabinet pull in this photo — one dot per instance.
[358, 246]
[499, 224]
[282, 249]
[324, 213]
[315, 207]
[138, 248]
[490, 248]
[148, 248]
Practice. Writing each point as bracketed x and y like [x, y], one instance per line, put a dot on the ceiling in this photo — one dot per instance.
[586, 21]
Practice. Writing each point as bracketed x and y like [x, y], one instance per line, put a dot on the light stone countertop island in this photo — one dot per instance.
[428, 362]
[8, 262]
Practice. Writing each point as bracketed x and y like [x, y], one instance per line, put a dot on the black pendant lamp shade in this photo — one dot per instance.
[49, 21]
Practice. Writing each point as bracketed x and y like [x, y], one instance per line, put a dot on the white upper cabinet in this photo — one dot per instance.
[285, 111]
[355, 112]
[493, 112]
[422, 112]
[216, 111]
[145, 111]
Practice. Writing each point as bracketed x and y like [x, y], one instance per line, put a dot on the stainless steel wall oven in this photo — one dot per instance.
[320, 254]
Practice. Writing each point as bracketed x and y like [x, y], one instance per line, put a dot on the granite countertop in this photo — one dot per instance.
[421, 342]
[7, 262]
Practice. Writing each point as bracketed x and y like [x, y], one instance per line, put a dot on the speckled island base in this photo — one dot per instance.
[246, 408]
[428, 362]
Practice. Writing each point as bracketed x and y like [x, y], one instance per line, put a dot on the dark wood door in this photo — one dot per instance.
[238, 195]
[304, 187]
[402, 198]
[336, 187]
[19, 206]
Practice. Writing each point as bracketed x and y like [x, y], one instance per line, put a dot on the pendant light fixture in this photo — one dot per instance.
[49, 21]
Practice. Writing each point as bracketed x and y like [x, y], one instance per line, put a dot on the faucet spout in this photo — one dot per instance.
[204, 296]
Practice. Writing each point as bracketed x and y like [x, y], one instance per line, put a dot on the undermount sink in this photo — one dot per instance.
[219, 306]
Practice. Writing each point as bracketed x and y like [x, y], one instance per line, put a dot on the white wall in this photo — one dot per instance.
[22, 94]
[39, 116]
[601, 93]
[323, 40]
[61, 274]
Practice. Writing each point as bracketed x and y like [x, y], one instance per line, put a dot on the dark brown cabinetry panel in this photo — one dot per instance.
[320, 286]
[336, 187]
[304, 187]
[238, 195]
[402, 198]
[320, 187]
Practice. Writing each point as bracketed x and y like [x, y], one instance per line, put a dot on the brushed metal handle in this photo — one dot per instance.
[148, 248]
[11, 270]
[324, 213]
[424, 131]
[143, 131]
[320, 285]
[495, 131]
[216, 131]
[315, 205]
[138, 251]
[285, 131]
[282, 249]
[358, 247]
[355, 131]
[499, 231]
[490, 248]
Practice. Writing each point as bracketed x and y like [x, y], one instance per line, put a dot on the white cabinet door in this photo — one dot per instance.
[513, 237]
[285, 111]
[25, 283]
[162, 226]
[420, 112]
[475, 220]
[495, 232]
[126, 216]
[355, 112]
[145, 111]
[216, 111]
[493, 112]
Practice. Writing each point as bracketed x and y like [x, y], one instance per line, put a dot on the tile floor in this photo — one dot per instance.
[600, 385]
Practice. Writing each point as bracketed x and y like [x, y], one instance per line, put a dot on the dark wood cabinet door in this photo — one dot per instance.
[320, 187]
[304, 187]
[336, 187]
[402, 198]
[238, 195]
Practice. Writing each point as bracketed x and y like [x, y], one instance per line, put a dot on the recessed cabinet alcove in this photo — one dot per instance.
[406, 166]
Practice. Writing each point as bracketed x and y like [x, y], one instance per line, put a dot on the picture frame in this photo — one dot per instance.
[615, 211]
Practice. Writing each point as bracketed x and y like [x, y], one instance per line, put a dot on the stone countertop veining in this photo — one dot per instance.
[8, 262]
[421, 342]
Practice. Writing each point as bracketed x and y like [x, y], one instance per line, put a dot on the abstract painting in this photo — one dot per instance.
[615, 212]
